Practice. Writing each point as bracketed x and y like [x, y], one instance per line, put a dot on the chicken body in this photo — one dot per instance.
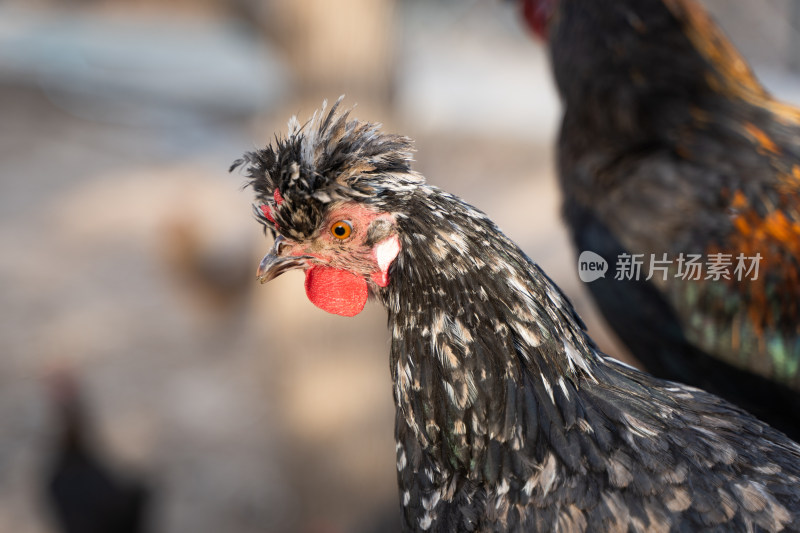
[508, 417]
[670, 148]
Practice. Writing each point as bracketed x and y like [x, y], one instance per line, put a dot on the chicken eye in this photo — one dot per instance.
[341, 229]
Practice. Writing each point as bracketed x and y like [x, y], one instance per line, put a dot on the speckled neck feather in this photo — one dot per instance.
[481, 340]
[471, 314]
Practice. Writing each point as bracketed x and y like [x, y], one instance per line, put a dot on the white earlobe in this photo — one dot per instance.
[386, 252]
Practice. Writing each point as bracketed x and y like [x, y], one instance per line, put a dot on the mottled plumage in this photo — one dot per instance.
[508, 417]
[669, 145]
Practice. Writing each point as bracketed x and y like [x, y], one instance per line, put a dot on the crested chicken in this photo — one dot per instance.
[670, 153]
[508, 417]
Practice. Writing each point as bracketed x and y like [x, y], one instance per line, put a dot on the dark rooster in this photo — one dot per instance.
[671, 149]
[87, 495]
[508, 417]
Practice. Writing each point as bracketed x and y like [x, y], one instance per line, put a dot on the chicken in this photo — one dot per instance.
[85, 494]
[671, 150]
[508, 417]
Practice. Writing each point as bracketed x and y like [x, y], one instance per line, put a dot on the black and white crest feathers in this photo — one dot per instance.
[328, 159]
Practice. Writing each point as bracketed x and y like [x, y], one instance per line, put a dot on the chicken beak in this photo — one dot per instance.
[275, 263]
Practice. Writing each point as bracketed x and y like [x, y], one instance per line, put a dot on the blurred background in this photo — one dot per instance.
[130, 311]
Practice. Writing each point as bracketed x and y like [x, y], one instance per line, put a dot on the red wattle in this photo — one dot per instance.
[336, 291]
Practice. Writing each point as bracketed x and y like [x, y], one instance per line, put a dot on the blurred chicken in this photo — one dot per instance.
[216, 270]
[669, 145]
[209, 264]
[85, 491]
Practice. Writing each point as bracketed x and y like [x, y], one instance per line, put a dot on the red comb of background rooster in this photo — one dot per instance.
[538, 13]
